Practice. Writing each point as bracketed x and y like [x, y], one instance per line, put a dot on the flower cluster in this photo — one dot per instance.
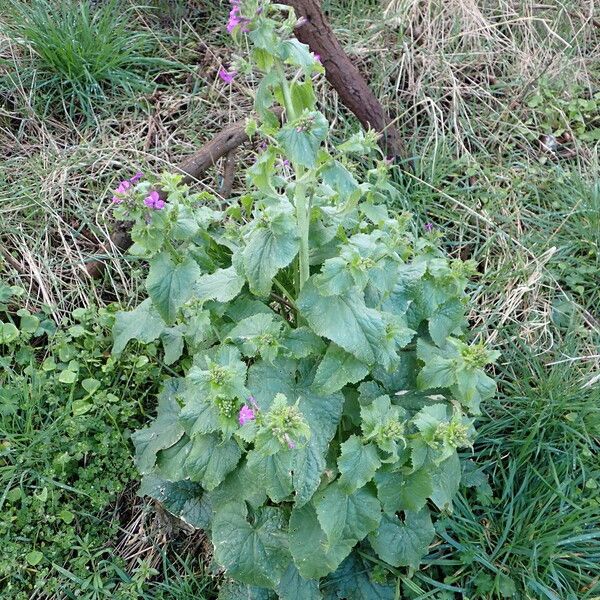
[286, 423]
[125, 186]
[236, 19]
[246, 415]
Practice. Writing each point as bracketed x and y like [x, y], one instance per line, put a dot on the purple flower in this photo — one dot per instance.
[154, 201]
[318, 58]
[428, 227]
[246, 415]
[235, 19]
[136, 177]
[117, 200]
[289, 441]
[227, 76]
[123, 187]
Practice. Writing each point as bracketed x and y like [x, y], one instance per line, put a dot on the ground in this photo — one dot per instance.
[498, 104]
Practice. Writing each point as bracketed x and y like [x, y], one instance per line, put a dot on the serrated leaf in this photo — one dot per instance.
[223, 285]
[336, 369]
[199, 415]
[445, 479]
[232, 590]
[351, 581]
[254, 553]
[238, 484]
[302, 342]
[398, 491]
[273, 472]
[143, 324]
[347, 516]
[322, 413]
[345, 320]
[181, 498]
[210, 459]
[357, 463]
[223, 376]
[294, 587]
[170, 284]
[296, 53]
[172, 340]
[301, 138]
[403, 543]
[258, 334]
[270, 247]
[164, 431]
[446, 319]
[313, 555]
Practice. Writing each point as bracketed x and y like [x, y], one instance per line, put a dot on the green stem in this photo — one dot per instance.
[303, 218]
[301, 201]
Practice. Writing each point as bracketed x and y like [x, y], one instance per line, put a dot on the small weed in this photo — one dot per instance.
[65, 412]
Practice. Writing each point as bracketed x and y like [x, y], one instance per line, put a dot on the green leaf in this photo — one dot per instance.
[170, 284]
[164, 432]
[345, 320]
[199, 415]
[271, 245]
[253, 552]
[8, 333]
[473, 386]
[223, 285]
[172, 340]
[438, 372]
[338, 368]
[67, 376]
[238, 484]
[398, 491]
[403, 543]
[302, 342]
[322, 413]
[351, 581]
[273, 472]
[313, 555]
[357, 463]
[222, 376]
[232, 590]
[143, 324]
[445, 479]
[301, 138]
[181, 498]
[296, 53]
[90, 385]
[209, 459]
[294, 587]
[34, 557]
[29, 323]
[258, 334]
[449, 317]
[347, 516]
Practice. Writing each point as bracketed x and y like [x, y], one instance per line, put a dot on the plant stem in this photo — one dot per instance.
[301, 201]
[303, 218]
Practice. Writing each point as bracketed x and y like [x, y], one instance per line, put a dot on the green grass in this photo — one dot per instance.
[533, 526]
[78, 55]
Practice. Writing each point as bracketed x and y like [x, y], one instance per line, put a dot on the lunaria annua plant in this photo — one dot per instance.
[327, 384]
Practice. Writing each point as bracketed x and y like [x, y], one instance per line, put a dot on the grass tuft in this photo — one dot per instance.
[79, 55]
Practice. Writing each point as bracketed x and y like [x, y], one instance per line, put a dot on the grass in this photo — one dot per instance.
[479, 91]
[78, 56]
[533, 526]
